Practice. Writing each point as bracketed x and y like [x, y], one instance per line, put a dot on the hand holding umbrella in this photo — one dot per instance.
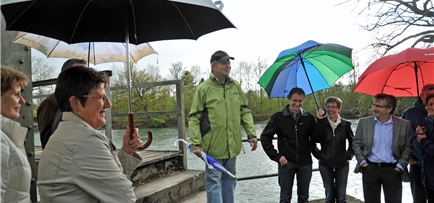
[211, 162]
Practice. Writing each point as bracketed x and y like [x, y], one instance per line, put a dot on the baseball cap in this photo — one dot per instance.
[220, 56]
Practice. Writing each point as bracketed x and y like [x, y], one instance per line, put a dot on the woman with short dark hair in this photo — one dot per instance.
[79, 163]
[335, 136]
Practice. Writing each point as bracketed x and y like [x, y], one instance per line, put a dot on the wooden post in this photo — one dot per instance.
[108, 114]
[181, 121]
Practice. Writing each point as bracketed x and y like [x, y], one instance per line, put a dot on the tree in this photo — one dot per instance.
[241, 72]
[258, 69]
[41, 71]
[200, 73]
[176, 70]
[188, 80]
[398, 22]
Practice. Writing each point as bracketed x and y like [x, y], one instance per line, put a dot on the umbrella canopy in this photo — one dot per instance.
[311, 66]
[401, 74]
[109, 20]
[94, 52]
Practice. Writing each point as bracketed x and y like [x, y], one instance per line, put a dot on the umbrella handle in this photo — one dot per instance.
[185, 142]
[131, 124]
[148, 142]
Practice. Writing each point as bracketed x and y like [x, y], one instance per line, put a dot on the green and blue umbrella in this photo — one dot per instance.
[311, 66]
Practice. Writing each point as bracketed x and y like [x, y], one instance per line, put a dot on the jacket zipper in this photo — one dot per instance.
[227, 120]
[296, 140]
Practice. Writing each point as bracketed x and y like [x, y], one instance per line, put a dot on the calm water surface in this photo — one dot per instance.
[264, 190]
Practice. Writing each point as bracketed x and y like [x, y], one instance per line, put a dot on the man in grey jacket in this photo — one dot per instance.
[383, 146]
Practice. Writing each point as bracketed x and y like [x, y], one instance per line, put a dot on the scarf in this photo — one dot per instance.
[334, 125]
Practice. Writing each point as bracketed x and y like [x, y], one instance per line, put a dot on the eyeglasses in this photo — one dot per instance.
[102, 97]
[377, 106]
[332, 107]
[430, 104]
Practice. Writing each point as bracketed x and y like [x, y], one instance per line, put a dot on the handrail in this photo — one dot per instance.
[263, 176]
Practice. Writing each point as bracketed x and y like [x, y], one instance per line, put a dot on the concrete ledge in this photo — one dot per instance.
[156, 164]
[350, 199]
[172, 188]
[199, 197]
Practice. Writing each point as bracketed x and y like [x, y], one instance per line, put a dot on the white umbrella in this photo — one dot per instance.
[94, 52]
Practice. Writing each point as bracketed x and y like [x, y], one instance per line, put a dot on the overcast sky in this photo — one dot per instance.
[264, 28]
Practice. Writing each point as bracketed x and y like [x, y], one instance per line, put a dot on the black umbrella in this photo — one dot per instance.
[138, 21]
[74, 21]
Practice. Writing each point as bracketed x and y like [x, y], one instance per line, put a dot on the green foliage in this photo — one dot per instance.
[156, 121]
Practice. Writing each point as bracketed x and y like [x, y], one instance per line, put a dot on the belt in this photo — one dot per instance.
[382, 164]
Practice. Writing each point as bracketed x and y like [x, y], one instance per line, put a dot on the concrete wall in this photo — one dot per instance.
[19, 57]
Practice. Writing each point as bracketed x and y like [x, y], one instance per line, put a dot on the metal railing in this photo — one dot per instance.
[264, 175]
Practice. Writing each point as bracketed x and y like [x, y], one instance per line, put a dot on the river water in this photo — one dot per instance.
[264, 190]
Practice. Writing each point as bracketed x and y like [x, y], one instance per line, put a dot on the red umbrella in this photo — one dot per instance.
[401, 74]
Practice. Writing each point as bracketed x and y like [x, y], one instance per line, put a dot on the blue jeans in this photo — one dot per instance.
[220, 187]
[286, 181]
[335, 183]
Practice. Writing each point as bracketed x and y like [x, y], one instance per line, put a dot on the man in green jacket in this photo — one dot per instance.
[219, 109]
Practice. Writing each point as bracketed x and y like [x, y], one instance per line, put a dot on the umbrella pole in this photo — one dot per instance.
[130, 108]
[417, 89]
[308, 80]
[88, 56]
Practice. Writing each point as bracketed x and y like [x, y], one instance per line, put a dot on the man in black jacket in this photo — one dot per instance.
[48, 108]
[294, 128]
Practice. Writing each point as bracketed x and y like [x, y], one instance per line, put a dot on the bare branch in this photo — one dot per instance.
[396, 23]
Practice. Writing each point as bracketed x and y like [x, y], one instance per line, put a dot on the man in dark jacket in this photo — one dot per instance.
[415, 115]
[294, 128]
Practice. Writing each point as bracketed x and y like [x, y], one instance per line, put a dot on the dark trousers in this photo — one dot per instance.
[417, 188]
[286, 181]
[374, 177]
[430, 195]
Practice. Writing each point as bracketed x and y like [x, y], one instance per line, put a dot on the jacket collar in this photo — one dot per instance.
[14, 131]
[69, 116]
[286, 112]
[229, 80]
[418, 104]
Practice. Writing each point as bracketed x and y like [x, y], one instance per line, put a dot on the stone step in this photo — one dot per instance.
[171, 188]
[155, 164]
[199, 197]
